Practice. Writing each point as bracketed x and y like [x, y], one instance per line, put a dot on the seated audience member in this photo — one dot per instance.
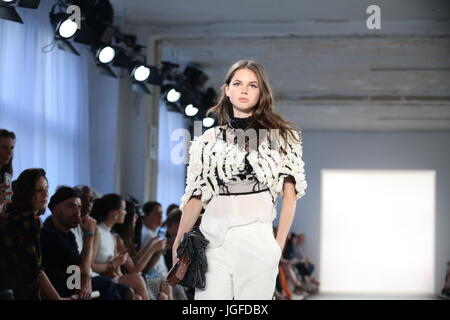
[21, 238]
[60, 249]
[156, 275]
[445, 292]
[108, 260]
[142, 258]
[292, 279]
[304, 267]
[87, 199]
[151, 222]
[171, 207]
[138, 225]
[172, 223]
[7, 142]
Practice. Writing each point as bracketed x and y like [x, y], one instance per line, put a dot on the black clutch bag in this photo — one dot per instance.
[190, 269]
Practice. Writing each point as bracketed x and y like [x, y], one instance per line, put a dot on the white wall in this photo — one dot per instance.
[370, 150]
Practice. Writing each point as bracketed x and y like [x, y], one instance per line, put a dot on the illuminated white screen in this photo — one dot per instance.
[377, 232]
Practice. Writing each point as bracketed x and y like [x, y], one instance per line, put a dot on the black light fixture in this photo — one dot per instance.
[195, 77]
[9, 12]
[96, 24]
[64, 28]
[204, 101]
[105, 54]
[209, 98]
[156, 78]
[104, 57]
[139, 71]
[121, 58]
[170, 93]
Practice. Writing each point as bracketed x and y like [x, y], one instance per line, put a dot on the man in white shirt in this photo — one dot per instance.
[151, 223]
[153, 219]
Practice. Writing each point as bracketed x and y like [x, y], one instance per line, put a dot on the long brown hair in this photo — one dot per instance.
[263, 115]
[24, 189]
[126, 229]
[8, 167]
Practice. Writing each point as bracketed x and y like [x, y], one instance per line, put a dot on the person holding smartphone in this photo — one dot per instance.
[109, 256]
[146, 257]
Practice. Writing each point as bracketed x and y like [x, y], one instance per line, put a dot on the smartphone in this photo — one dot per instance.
[162, 233]
[94, 294]
[7, 180]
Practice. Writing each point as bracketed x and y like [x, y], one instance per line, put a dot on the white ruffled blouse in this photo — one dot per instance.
[214, 166]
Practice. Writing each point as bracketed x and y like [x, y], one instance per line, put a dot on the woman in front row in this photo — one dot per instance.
[108, 259]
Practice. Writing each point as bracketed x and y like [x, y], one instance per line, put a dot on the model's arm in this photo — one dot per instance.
[191, 202]
[294, 186]
[287, 212]
[191, 211]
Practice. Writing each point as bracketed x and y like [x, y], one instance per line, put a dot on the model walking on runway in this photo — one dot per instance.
[236, 172]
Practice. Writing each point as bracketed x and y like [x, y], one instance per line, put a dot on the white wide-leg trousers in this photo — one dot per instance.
[244, 267]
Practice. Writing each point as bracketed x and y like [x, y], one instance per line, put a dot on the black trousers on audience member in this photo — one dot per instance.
[108, 289]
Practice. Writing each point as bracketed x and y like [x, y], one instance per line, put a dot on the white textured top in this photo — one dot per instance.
[214, 163]
[107, 245]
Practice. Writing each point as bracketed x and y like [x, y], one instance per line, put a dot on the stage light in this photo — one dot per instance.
[173, 95]
[106, 54]
[191, 110]
[66, 28]
[8, 11]
[140, 72]
[208, 122]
